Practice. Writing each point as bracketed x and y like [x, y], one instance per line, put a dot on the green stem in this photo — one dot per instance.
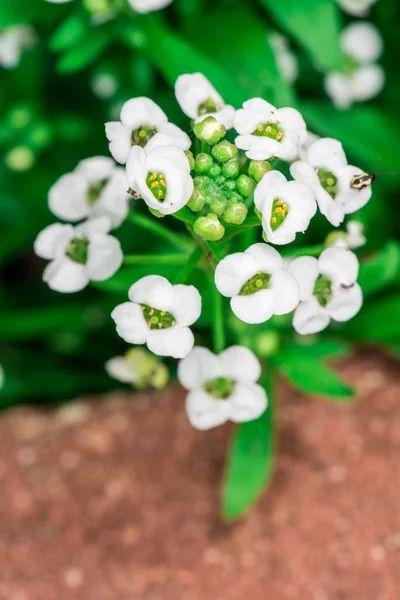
[155, 259]
[178, 240]
[218, 321]
[185, 215]
[190, 265]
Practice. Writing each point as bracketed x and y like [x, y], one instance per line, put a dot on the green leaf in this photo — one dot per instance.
[381, 269]
[309, 374]
[14, 12]
[85, 53]
[250, 462]
[318, 347]
[378, 321]
[69, 33]
[315, 24]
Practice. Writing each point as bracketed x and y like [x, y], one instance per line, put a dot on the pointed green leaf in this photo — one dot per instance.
[69, 33]
[85, 53]
[381, 269]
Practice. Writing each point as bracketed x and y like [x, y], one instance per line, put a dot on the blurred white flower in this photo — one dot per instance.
[257, 284]
[139, 368]
[104, 85]
[286, 207]
[78, 254]
[285, 59]
[146, 6]
[351, 239]
[13, 41]
[265, 131]
[356, 8]
[222, 387]
[328, 289]
[362, 79]
[2, 377]
[198, 99]
[142, 124]
[96, 188]
[327, 173]
[161, 176]
[159, 315]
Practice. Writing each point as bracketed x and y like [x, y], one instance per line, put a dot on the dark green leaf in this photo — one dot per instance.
[381, 269]
[378, 321]
[69, 33]
[85, 53]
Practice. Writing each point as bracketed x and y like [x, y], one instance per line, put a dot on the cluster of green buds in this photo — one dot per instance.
[223, 181]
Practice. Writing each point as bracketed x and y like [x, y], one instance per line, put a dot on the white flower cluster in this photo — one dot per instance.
[259, 282]
[361, 78]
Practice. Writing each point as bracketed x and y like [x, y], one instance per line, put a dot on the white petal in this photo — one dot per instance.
[104, 257]
[51, 242]
[165, 157]
[299, 196]
[362, 41]
[305, 173]
[248, 402]
[153, 290]
[94, 227]
[268, 259]
[136, 168]
[169, 134]
[192, 90]
[240, 364]
[113, 201]
[345, 303]
[65, 275]
[95, 168]
[329, 207]
[225, 116]
[146, 6]
[355, 236]
[255, 308]
[141, 111]
[339, 265]
[120, 141]
[286, 292]
[268, 187]
[339, 88]
[367, 82]
[309, 317]
[186, 307]
[68, 197]
[176, 341]
[199, 366]
[357, 8]
[305, 270]
[120, 369]
[130, 323]
[233, 271]
[327, 153]
[291, 119]
[204, 411]
[351, 199]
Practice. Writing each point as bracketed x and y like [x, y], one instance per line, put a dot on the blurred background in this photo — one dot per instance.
[116, 497]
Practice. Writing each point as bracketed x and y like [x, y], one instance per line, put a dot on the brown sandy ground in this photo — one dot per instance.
[116, 498]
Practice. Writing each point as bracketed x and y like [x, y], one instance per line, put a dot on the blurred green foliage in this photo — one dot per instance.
[52, 110]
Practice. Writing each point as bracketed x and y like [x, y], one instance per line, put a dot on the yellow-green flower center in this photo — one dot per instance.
[259, 281]
[77, 250]
[220, 388]
[323, 290]
[157, 319]
[94, 191]
[142, 135]
[278, 214]
[271, 130]
[157, 185]
[328, 181]
[208, 106]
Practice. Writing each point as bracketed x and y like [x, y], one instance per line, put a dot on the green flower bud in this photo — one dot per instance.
[197, 200]
[218, 205]
[215, 170]
[160, 376]
[156, 213]
[231, 169]
[189, 156]
[230, 185]
[335, 236]
[235, 213]
[209, 228]
[267, 343]
[224, 151]
[209, 130]
[203, 163]
[20, 158]
[245, 185]
[235, 197]
[201, 181]
[258, 168]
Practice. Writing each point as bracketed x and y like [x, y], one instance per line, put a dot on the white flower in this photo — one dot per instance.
[328, 289]
[104, 85]
[363, 80]
[357, 8]
[198, 99]
[121, 369]
[159, 315]
[285, 59]
[146, 6]
[139, 368]
[161, 176]
[286, 207]
[266, 131]
[352, 238]
[327, 173]
[257, 284]
[222, 387]
[78, 254]
[96, 188]
[142, 123]
[13, 41]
